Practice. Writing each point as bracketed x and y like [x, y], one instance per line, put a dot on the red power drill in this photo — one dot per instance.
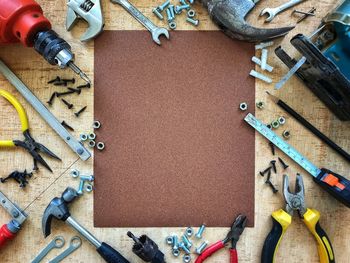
[23, 21]
[9, 230]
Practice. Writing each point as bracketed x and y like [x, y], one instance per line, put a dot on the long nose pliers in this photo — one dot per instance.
[283, 218]
[29, 144]
[233, 236]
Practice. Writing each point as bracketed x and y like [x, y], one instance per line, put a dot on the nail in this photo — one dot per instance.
[57, 79]
[69, 105]
[273, 163]
[284, 165]
[67, 126]
[69, 80]
[80, 111]
[59, 94]
[272, 146]
[88, 85]
[265, 171]
[50, 101]
[78, 91]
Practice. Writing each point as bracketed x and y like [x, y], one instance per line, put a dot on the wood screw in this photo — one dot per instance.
[77, 114]
[69, 105]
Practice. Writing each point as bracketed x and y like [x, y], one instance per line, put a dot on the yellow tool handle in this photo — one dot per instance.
[281, 221]
[21, 112]
[324, 246]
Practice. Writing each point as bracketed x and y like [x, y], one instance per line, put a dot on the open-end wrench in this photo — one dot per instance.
[155, 31]
[272, 12]
[75, 243]
[57, 242]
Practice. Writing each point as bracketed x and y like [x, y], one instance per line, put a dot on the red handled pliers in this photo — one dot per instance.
[233, 236]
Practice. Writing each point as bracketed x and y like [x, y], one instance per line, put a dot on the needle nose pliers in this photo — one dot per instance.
[283, 218]
[233, 236]
[29, 144]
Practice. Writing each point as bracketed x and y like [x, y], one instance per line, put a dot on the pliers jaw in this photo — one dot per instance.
[296, 200]
[237, 229]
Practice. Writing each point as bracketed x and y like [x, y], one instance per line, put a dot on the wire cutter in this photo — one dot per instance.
[29, 144]
[283, 218]
[233, 236]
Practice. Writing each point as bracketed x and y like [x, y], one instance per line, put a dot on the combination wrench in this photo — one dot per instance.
[272, 12]
[75, 243]
[57, 242]
[155, 31]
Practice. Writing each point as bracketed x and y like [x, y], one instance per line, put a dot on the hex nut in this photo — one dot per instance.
[100, 146]
[260, 105]
[243, 106]
[191, 13]
[92, 144]
[83, 137]
[96, 125]
[74, 173]
[282, 120]
[186, 258]
[92, 136]
[286, 134]
[172, 25]
[169, 240]
[176, 252]
[275, 124]
[189, 231]
[88, 187]
[269, 126]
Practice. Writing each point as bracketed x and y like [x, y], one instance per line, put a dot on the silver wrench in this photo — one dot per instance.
[155, 31]
[272, 12]
[57, 242]
[75, 243]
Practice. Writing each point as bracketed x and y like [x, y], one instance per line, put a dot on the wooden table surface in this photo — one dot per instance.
[298, 244]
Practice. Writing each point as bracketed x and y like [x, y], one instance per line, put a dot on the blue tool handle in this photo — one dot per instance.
[335, 184]
[111, 255]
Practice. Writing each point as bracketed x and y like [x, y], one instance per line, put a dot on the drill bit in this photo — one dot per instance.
[79, 72]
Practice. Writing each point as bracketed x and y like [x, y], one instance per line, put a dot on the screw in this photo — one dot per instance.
[274, 190]
[178, 9]
[89, 178]
[273, 163]
[164, 5]
[60, 83]
[184, 248]
[200, 231]
[77, 114]
[69, 105]
[69, 80]
[59, 94]
[156, 11]
[284, 165]
[192, 21]
[268, 177]
[88, 85]
[202, 246]
[57, 79]
[175, 243]
[64, 124]
[272, 146]
[53, 95]
[265, 171]
[78, 91]
[186, 241]
[260, 76]
[81, 187]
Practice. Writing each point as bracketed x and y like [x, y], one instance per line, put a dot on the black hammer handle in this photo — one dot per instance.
[111, 255]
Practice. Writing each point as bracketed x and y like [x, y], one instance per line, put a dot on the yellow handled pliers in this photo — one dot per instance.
[29, 143]
[283, 218]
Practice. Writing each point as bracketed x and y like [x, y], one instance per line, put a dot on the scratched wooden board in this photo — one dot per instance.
[297, 246]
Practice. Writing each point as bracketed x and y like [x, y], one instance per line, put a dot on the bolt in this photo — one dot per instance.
[272, 146]
[263, 45]
[69, 105]
[186, 241]
[184, 248]
[164, 5]
[157, 13]
[175, 243]
[64, 124]
[69, 80]
[191, 1]
[169, 16]
[77, 114]
[284, 165]
[194, 22]
[178, 9]
[88, 85]
[258, 62]
[53, 95]
[172, 11]
[59, 94]
[89, 178]
[81, 187]
[274, 189]
[262, 173]
[183, 2]
[273, 163]
[260, 76]
[57, 79]
[200, 231]
[78, 91]
[202, 246]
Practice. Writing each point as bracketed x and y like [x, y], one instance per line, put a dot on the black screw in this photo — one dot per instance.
[60, 83]
[284, 165]
[53, 95]
[57, 79]
[273, 163]
[67, 126]
[69, 80]
[69, 105]
[268, 169]
[88, 85]
[272, 146]
[80, 111]
[78, 91]
[59, 94]
[268, 177]
[274, 189]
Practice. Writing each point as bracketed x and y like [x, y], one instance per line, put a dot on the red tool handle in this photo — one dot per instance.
[209, 251]
[5, 234]
[21, 20]
[233, 256]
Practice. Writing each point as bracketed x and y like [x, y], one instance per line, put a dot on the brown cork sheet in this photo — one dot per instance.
[178, 152]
